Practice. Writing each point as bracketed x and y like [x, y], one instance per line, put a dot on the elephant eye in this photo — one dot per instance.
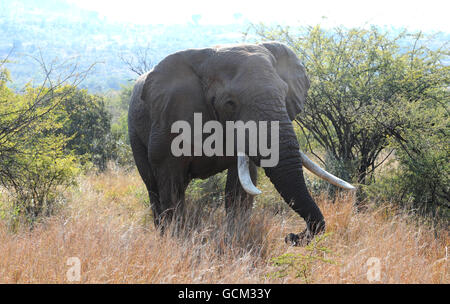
[230, 105]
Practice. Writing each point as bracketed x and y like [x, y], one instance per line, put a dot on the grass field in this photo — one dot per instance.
[106, 225]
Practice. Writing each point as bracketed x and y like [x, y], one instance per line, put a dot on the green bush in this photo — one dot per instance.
[208, 191]
[117, 105]
[420, 176]
[34, 162]
[300, 265]
[121, 151]
[38, 179]
[86, 121]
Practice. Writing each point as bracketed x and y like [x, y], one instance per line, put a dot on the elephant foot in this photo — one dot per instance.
[304, 238]
[301, 239]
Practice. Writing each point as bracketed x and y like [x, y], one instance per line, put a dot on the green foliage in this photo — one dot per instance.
[207, 191]
[118, 103]
[421, 179]
[300, 265]
[375, 93]
[38, 179]
[118, 107]
[361, 82]
[33, 164]
[87, 123]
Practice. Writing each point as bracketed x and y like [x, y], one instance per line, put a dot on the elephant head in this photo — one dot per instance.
[264, 82]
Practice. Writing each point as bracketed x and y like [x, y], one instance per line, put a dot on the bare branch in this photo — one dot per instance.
[139, 62]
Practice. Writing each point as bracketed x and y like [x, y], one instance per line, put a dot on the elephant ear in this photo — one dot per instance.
[173, 89]
[171, 92]
[292, 71]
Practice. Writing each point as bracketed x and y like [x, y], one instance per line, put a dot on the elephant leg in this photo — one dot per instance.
[238, 203]
[172, 184]
[140, 155]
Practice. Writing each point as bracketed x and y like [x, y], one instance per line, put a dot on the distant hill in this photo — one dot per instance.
[61, 30]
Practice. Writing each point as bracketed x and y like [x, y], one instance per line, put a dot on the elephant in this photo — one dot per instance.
[245, 82]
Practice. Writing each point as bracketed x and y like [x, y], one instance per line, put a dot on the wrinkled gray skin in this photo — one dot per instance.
[241, 82]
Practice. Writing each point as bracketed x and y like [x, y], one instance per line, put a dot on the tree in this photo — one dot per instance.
[86, 123]
[33, 163]
[118, 107]
[420, 180]
[361, 82]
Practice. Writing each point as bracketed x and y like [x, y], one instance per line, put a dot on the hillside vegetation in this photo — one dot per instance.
[60, 30]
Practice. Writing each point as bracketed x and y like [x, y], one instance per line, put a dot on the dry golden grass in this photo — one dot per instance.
[106, 225]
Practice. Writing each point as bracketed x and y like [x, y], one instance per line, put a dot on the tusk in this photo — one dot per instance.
[314, 168]
[244, 175]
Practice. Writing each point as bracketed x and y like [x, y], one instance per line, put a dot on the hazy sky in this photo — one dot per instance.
[413, 14]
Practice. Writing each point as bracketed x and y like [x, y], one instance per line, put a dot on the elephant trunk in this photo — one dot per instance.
[289, 181]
